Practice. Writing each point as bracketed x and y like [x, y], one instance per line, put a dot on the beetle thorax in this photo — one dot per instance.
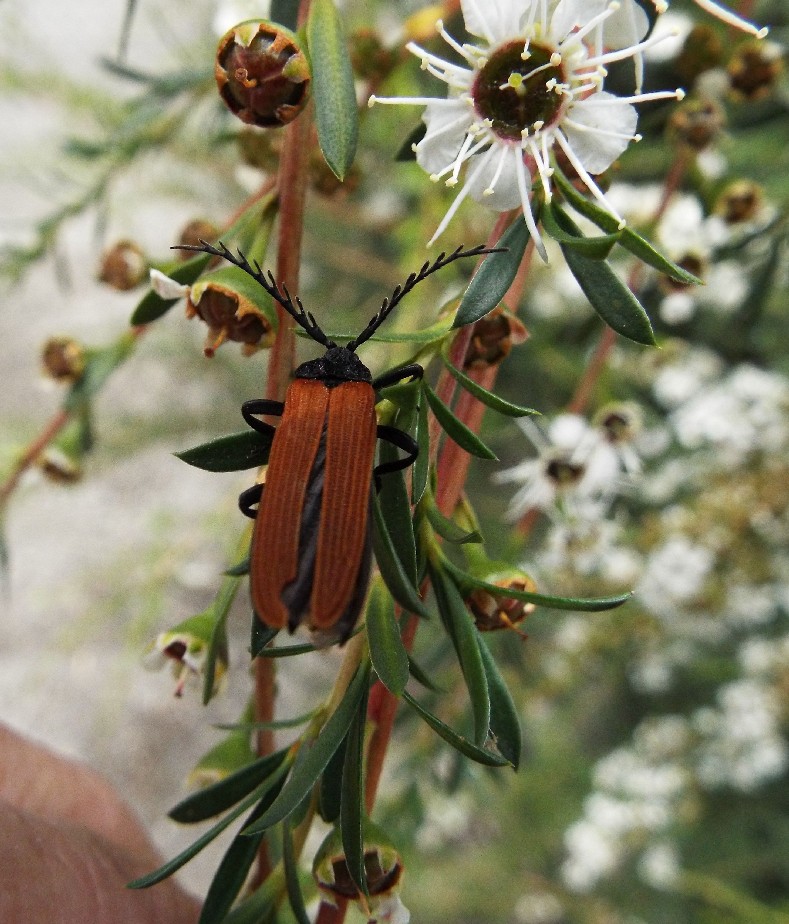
[338, 364]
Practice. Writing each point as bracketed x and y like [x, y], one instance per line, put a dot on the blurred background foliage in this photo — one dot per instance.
[655, 784]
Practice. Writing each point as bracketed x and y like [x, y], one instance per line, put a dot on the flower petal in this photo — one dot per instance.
[624, 27]
[494, 20]
[505, 193]
[446, 128]
[165, 287]
[604, 119]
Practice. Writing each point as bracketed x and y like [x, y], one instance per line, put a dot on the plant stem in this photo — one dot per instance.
[447, 386]
[292, 185]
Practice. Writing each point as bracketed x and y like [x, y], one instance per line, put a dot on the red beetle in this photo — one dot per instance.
[312, 542]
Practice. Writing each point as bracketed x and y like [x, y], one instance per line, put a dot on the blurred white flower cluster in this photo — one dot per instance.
[643, 791]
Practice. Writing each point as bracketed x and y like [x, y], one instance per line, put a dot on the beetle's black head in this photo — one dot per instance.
[337, 365]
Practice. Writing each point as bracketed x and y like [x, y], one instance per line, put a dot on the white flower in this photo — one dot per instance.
[533, 83]
[579, 468]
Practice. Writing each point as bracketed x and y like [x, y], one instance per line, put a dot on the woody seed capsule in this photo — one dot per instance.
[262, 74]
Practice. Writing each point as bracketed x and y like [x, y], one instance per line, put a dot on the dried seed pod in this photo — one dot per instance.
[702, 50]
[620, 423]
[370, 58]
[229, 316]
[262, 74]
[383, 868]
[492, 338]
[754, 70]
[124, 266]
[199, 229]
[696, 124]
[739, 201]
[63, 359]
[492, 612]
[58, 466]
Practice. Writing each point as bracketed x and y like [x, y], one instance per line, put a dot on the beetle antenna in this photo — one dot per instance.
[413, 280]
[279, 292]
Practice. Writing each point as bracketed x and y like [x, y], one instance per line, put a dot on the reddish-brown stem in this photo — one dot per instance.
[32, 452]
[453, 462]
[381, 711]
[40, 443]
[447, 386]
[591, 374]
[292, 185]
[292, 194]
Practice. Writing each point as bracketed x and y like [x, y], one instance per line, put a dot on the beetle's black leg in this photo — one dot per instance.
[412, 371]
[247, 500]
[402, 441]
[261, 406]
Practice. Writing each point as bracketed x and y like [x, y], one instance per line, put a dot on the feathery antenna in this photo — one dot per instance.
[305, 318]
[413, 280]
[279, 293]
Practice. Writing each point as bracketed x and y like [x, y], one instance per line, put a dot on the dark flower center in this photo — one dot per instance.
[514, 93]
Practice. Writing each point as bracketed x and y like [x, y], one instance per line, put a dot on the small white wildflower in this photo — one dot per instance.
[592, 854]
[533, 83]
[579, 468]
[538, 908]
[675, 573]
[659, 865]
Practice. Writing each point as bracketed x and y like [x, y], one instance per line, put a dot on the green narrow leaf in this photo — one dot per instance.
[262, 904]
[192, 850]
[610, 297]
[446, 528]
[317, 755]
[221, 796]
[421, 677]
[276, 725]
[488, 398]
[241, 569]
[286, 13]
[336, 112]
[596, 248]
[331, 785]
[505, 722]
[231, 874]
[421, 467]
[581, 604]
[352, 798]
[286, 651]
[233, 453]
[387, 652]
[217, 644]
[454, 428]
[629, 239]
[396, 510]
[465, 640]
[395, 578]
[292, 884]
[100, 365]
[261, 636]
[459, 743]
[495, 275]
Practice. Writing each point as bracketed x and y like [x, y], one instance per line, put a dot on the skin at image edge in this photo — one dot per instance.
[69, 845]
